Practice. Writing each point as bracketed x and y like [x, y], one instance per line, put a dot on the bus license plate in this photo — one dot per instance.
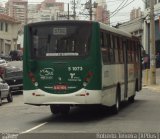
[60, 87]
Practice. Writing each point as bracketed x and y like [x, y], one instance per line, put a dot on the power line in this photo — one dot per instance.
[122, 8]
[119, 6]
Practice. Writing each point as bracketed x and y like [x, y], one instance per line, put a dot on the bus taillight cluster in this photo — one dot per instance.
[87, 79]
[33, 79]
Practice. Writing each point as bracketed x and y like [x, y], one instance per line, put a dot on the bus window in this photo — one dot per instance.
[107, 43]
[116, 49]
[103, 47]
[60, 40]
[129, 52]
[111, 50]
[121, 56]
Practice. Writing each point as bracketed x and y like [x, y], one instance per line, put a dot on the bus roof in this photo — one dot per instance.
[115, 30]
[102, 26]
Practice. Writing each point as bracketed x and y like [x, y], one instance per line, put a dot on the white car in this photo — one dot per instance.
[5, 92]
[2, 62]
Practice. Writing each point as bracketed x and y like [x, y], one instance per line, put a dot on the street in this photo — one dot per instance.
[141, 116]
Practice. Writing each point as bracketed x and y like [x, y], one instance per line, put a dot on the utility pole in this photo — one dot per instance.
[152, 45]
[74, 10]
[90, 9]
[68, 11]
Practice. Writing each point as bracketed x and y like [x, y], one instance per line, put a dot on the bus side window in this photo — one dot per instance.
[121, 56]
[133, 44]
[103, 47]
[116, 50]
[107, 44]
[129, 51]
[112, 58]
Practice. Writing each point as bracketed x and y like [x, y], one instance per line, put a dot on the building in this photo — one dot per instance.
[46, 4]
[146, 42]
[135, 27]
[101, 12]
[18, 10]
[147, 3]
[135, 13]
[2, 9]
[48, 10]
[8, 33]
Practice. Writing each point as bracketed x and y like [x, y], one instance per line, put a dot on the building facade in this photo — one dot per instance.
[48, 10]
[2, 9]
[8, 33]
[101, 12]
[18, 9]
[146, 42]
[135, 27]
[135, 13]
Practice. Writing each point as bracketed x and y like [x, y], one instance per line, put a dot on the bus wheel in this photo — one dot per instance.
[131, 99]
[116, 107]
[55, 109]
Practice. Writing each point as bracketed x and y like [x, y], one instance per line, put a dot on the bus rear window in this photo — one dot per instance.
[60, 40]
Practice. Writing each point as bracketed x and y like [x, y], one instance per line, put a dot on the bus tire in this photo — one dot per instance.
[131, 99]
[55, 109]
[116, 107]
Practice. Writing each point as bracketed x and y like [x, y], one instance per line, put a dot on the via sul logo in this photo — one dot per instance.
[46, 72]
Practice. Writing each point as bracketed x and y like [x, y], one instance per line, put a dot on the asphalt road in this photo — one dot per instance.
[143, 116]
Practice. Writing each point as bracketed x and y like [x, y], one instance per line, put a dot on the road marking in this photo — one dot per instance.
[34, 128]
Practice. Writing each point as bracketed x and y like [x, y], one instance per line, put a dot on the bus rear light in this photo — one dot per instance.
[33, 79]
[87, 79]
[31, 74]
[90, 74]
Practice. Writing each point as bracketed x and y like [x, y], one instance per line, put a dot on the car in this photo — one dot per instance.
[6, 57]
[5, 92]
[2, 62]
[16, 55]
[13, 77]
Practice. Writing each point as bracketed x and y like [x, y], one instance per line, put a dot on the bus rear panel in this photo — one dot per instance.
[61, 64]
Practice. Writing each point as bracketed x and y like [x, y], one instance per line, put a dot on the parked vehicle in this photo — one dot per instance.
[16, 55]
[6, 57]
[5, 92]
[13, 77]
[2, 62]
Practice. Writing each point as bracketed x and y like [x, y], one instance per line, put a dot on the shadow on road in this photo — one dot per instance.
[92, 113]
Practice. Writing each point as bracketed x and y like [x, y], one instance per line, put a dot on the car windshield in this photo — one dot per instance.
[11, 72]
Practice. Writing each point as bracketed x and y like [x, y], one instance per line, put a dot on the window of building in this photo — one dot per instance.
[1, 26]
[6, 27]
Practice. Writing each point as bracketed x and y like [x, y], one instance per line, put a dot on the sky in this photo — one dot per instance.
[121, 16]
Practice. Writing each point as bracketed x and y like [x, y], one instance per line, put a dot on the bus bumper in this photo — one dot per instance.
[83, 96]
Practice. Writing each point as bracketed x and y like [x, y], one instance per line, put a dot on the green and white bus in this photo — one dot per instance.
[68, 63]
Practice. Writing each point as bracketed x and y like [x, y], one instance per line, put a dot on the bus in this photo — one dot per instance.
[79, 63]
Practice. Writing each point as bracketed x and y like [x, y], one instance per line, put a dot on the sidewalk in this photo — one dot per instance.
[151, 87]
